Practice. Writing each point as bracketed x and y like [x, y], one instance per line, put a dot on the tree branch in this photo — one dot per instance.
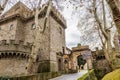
[2, 7]
[98, 21]
[46, 16]
[100, 36]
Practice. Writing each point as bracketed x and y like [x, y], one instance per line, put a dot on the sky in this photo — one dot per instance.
[72, 32]
[72, 17]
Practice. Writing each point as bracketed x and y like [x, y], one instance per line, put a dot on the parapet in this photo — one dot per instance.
[15, 46]
[58, 14]
[80, 48]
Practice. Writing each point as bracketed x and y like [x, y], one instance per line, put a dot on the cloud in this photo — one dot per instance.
[72, 32]
[72, 36]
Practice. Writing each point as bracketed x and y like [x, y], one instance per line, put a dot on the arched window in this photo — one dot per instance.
[65, 61]
[11, 27]
[33, 26]
[60, 30]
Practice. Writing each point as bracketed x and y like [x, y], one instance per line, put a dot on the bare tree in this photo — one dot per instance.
[3, 5]
[106, 33]
[104, 28]
[38, 31]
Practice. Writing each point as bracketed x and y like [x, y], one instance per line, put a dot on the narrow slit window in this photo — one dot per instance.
[60, 30]
[33, 26]
[11, 27]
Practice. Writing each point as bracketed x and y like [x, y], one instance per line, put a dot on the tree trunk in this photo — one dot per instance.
[39, 31]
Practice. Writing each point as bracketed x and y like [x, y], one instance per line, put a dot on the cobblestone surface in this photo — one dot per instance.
[74, 76]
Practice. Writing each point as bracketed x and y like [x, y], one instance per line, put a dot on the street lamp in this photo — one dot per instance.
[87, 55]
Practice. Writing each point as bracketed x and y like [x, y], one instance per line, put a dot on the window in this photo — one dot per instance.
[63, 49]
[33, 26]
[11, 27]
[60, 30]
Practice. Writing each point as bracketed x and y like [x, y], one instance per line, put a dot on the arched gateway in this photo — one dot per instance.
[77, 58]
[73, 59]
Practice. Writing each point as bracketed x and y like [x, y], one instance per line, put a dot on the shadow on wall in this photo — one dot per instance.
[43, 67]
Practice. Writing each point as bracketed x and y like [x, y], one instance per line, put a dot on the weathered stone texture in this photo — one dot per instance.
[5, 32]
[20, 30]
[12, 66]
[51, 42]
[20, 9]
[57, 42]
[57, 38]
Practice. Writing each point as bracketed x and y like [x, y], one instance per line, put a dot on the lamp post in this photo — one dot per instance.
[118, 49]
[87, 55]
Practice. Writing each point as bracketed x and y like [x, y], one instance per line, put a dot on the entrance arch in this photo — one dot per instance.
[80, 62]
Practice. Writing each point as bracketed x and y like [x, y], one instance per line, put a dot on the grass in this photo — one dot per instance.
[115, 75]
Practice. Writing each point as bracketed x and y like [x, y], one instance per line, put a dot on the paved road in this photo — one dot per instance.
[74, 76]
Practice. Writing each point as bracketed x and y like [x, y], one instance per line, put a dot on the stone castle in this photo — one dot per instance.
[17, 33]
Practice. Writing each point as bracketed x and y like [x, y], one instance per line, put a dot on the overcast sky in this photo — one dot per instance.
[72, 33]
[72, 18]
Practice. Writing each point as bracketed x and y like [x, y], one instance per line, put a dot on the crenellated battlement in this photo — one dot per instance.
[58, 14]
[15, 46]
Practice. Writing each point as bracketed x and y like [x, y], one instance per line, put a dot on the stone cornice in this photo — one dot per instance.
[54, 13]
[13, 45]
[80, 48]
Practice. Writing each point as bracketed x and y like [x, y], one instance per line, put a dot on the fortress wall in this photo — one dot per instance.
[12, 66]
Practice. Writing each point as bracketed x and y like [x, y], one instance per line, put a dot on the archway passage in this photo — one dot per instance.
[80, 62]
[59, 65]
[43, 68]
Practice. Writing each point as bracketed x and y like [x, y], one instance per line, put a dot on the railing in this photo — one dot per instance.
[85, 76]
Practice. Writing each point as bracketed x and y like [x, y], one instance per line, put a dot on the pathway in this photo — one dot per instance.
[73, 76]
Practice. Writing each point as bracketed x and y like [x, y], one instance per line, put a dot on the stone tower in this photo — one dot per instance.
[17, 32]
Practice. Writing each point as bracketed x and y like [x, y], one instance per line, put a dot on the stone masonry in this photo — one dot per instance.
[17, 33]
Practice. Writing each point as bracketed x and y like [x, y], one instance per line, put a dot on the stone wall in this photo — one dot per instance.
[5, 32]
[29, 32]
[50, 42]
[13, 57]
[15, 46]
[18, 8]
[57, 43]
[12, 66]
[40, 76]
[20, 30]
